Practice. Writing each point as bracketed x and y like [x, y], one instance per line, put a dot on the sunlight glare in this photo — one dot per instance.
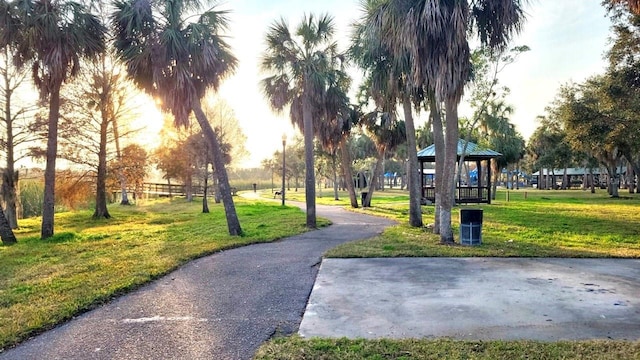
[149, 121]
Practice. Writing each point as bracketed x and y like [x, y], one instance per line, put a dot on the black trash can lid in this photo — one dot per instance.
[471, 216]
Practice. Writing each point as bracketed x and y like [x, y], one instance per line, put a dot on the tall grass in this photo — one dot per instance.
[31, 197]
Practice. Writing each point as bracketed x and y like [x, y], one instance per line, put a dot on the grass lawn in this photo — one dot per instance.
[87, 262]
[546, 223]
[569, 223]
[294, 348]
[326, 196]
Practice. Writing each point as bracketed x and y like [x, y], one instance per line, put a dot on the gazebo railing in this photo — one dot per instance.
[464, 194]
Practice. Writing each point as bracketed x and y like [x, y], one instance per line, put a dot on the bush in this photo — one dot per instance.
[73, 191]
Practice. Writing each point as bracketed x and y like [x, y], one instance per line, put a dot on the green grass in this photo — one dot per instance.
[87, 262]
[326, 196]
[545, 224]
[43, 283]
[293, 348]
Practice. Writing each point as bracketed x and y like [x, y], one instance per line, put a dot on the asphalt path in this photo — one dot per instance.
[222, 306]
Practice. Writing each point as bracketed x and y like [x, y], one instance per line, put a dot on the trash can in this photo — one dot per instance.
[364, 197]
[471, 226]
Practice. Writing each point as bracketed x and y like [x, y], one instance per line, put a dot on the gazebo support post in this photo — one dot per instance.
[422, 179]
[489, 181]
[479, 170]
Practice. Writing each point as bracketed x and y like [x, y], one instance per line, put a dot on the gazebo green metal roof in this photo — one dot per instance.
[473, 152]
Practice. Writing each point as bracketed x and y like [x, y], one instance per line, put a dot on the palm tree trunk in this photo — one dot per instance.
[49, 198]
[374, 179]
[188, 188]
[309, 180]
[216, 198]
[101, 210]
[631, 176]
[496, 176]
[233, 223]
[335, 177]
[415, 193]
[348, 173]
[6, 234]
[438, 139]
[448, 176]
[205, 203]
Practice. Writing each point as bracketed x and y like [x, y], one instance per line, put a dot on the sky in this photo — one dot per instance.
[567, 39]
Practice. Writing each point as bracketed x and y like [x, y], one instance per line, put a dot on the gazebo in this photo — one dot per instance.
[477, 190]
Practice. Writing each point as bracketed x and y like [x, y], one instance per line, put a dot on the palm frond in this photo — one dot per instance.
[496, 21]
[304, 66]
[277, 89]
[169, 56]
[53, 37]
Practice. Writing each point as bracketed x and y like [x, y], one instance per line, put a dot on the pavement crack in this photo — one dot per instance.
[317, 263]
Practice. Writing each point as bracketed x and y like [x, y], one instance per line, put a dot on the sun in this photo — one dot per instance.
[149, 119]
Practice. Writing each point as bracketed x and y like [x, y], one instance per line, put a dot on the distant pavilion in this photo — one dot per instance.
[476, 188]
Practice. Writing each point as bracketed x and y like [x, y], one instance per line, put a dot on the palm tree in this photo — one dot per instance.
[301, 64]
[334, 128]
[387, 132]
[438, 140]
[176, 61]
[345, 157]
[389, 82]
[52, 37]
[500, 134]
[435, 34]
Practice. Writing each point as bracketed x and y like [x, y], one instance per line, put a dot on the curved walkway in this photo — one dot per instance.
[221, 306]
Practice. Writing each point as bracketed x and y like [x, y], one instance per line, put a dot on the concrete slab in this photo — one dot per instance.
[475, 298]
